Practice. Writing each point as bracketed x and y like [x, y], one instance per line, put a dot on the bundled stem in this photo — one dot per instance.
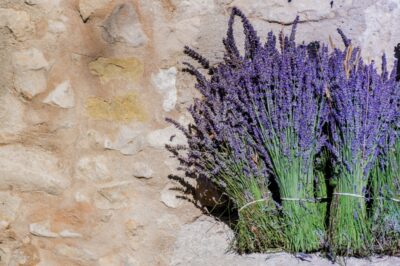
[290, 115]
[364, 106]
[304, 224]
[258, 226]
[321, 183]
[385, 213]
[349, 228]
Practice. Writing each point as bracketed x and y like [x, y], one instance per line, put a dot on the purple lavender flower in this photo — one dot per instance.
[364, 107]
[263, 111]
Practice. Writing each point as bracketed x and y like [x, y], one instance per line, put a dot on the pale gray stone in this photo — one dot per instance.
[30, 83]
[42, 229]
[46, 4]
[168, 196]
[124, 259]
[62, 96]
[9, 206]
[69, 234]
[94, 168]
[169, 135]
[75, 252]
[30, 59]
[123, 25]
[129, 140]
[31, 169]
[30, 68]
[165, 82]
[142, 170]
[380, 34]
[56, 26]
[88, 7]
[190, 9]
[112, 196]
[18, 22]
[11, 117]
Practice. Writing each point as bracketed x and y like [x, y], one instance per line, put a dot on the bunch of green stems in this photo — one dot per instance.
[294, 174]
[385, 207]
[258, 226]
[349, 228]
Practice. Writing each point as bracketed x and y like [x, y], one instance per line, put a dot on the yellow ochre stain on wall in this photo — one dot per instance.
[114, 68]
[120, 108]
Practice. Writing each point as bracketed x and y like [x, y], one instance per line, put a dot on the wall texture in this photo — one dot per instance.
[85, 86]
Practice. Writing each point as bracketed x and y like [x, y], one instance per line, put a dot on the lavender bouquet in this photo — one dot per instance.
[262, 114]
[361, 115]
[385, 210]
[288, 106]
[270, 122]
[385, 185]
[219, 150]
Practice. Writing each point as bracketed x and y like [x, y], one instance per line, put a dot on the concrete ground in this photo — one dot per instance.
[206, 241]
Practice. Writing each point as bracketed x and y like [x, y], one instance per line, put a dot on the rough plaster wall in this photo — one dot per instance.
[85, 86]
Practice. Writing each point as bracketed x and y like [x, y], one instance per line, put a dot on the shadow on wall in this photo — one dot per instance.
[207, 198]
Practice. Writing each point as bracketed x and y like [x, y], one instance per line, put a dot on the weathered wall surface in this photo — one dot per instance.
[85, 86]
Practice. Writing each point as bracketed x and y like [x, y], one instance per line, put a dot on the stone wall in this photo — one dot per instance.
[85, 87]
